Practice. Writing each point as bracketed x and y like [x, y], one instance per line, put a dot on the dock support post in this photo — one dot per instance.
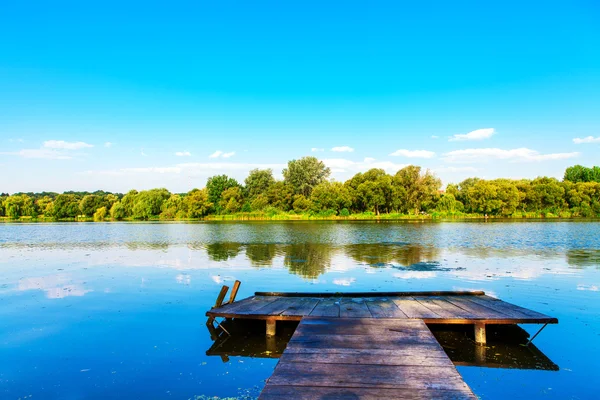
[480, 333]
[271, 327]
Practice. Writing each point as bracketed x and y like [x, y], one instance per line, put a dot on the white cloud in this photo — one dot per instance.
[341, 165]
[478, 134]
[455, 169]
[415, 275]
[521, 154]
[435, 137]
[144, 154]
[589, 139]
[17, 140]
[592, 288]
[344, 281]
[413, 153]
[61, 144]
[183, 154]
[315, 149]
[48, 154]
[343, 149]
[108, 144]
[219, 153]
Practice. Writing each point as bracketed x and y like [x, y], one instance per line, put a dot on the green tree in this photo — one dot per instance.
[148, 203]
[197, 203]
[258, 182]
[128, 202]
[216, 185]
[330, 196]
[260, 202]
[304, 174]
[301, 203]
[579, 173]
[89, 204]
[100, 214]
[281, 196]
[232, 200]
[117, 211]
[66, 206]
[419, 189]
[173, 208]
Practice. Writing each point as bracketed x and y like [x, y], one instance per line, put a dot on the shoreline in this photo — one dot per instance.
[252, 217]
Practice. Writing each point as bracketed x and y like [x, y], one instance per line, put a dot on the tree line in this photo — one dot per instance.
[306, 189]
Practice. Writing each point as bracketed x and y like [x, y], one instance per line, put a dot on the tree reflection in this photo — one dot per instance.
[261, 254]
[384, 254]
[583, 258]
[223, 251]
[308, 260]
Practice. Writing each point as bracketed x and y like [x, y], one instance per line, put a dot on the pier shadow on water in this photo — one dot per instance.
[506, 344]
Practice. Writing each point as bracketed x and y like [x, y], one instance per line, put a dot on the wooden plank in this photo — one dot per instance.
[245, 306]
[443, 308]
[354, 308]
[234, 290]
[354, 393]
[370, 294]
[475, 309]
[503, 306]
[366, 357]
[358, 329]
[378, 376]
[327, 307]
[304, 307]
[221, 296]
[278, 306]
[382, 307]
[413, 309]
[362, 342]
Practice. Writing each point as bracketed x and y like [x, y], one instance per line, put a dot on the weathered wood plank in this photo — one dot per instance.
[476, 310]
[278, 306]
[327, 307]
[382, 307]
[359, 329]
[365, 357]
[250, 307]
[503, 306]
[413, 309]
[378, 376]
[338, 393]
[303, 308]
[442, 308]
[371, 294]
[354, 308]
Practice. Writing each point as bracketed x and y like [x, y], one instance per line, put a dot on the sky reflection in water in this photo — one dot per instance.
[96, 310]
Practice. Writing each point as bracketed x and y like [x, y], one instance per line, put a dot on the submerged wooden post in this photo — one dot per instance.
[480, 333]
[271, 327]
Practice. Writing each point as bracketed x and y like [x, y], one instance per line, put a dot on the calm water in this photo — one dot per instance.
[116, 310]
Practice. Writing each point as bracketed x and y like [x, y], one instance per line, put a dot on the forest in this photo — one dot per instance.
[307, 192]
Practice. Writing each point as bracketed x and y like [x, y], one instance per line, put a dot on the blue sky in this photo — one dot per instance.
[113, 96]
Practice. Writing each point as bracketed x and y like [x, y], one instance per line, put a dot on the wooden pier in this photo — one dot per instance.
[369, 345]
[364, 358]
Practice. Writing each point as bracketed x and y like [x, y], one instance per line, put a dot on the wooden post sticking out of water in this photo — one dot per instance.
[480, 333]
[271, 327]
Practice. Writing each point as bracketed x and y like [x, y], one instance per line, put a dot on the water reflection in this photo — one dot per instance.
[506, 347]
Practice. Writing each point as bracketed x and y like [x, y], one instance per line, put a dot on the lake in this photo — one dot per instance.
[116, 310]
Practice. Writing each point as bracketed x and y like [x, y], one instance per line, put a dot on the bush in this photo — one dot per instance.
[344, 212]
[100, 214]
